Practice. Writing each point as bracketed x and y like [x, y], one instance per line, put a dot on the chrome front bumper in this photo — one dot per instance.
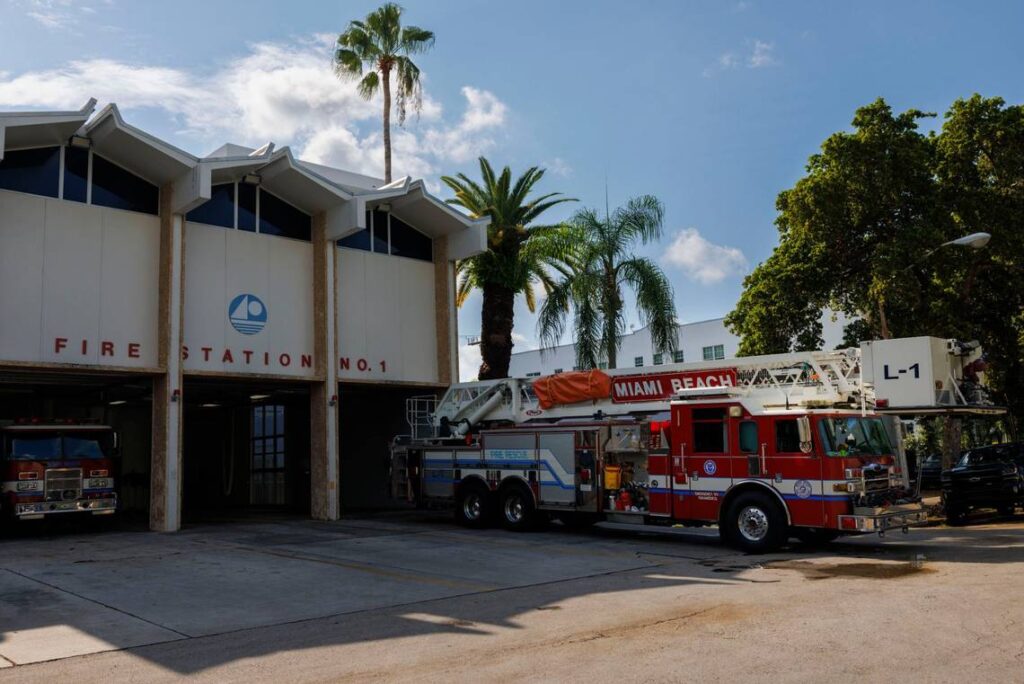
[35, 511]
[881, 521]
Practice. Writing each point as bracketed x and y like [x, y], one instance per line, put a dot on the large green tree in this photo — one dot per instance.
[601, 264]
[856, 234]
[381, 46]
[519, 257]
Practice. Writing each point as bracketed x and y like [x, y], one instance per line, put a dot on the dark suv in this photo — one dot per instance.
[985, 477]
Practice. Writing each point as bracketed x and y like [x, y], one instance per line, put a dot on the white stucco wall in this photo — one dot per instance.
[223, 264]
[78, 284]
[386, 323]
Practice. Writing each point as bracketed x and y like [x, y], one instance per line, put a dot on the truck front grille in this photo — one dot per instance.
[63, 484]
[876, 479]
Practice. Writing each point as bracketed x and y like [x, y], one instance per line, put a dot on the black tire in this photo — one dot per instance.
[815, 536]
[754, 523]
[474, 505]
[955, 516]
[1007, 510]
[517, 511]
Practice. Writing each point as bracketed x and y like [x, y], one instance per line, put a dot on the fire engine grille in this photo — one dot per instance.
[63, 484]
[876, 479]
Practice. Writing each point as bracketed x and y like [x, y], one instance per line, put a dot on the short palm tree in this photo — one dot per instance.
[600, 265]
[381, 45]
[518, 256]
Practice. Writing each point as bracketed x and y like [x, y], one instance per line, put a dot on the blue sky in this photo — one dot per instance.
[711, 106]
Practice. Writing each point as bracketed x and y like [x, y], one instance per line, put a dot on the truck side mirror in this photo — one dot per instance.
[803, 425]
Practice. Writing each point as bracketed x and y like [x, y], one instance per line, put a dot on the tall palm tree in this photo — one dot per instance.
[600, 265]
[518, 255]
[380, 44]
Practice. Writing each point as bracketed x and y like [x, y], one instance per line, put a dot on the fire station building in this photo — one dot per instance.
[250, 324]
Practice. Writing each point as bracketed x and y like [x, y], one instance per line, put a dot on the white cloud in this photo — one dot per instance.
[469, 362]
[285, 92]
[56, 14]
[703, 260]
[762, 56]
[558, 166]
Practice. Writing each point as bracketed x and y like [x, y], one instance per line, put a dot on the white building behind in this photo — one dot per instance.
[700, 341]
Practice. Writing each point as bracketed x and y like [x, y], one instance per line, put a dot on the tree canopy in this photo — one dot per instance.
[857, 230]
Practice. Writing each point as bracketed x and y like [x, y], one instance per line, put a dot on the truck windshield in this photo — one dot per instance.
[869, 436]
[54, 447]
[35, 448]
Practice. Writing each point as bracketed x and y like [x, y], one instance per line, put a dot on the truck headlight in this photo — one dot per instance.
[30, 486]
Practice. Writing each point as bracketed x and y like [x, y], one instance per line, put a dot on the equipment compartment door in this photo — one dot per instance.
[795, 471]
[557, 468]
[659, 470]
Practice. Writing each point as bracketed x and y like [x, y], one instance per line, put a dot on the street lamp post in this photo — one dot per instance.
[974, 241]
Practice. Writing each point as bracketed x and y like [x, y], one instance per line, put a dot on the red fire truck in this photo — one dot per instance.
[764, 447]
[53, 468]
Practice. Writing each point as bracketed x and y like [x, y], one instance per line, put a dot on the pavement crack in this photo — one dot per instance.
[99, 603]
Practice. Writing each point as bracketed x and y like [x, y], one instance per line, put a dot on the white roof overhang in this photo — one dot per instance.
[431, 216]
[138, 151]
[40, 129]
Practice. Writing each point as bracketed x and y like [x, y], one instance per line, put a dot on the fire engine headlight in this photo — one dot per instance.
[99, 483]
[846, 487]
[30, 486]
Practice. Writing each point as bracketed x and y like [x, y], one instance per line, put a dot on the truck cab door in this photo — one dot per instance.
[795, 469]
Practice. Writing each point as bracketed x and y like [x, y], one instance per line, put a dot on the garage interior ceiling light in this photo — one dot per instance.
[80, 141]
[251, 179]
[259, 397]
[118, 402]
[210, 405]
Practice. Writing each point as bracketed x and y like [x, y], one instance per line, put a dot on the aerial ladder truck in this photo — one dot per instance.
[766, 448]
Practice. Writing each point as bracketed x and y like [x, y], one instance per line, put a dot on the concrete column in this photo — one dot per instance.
[445, 320]
[165, 467]
[323, 395]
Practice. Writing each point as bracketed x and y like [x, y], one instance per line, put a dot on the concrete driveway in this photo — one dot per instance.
[399, 597]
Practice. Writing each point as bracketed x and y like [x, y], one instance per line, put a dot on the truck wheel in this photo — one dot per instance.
[815, 536]
[754, 523]
[518, 512]
[955, 515]
[1007, 510]
[474, 506]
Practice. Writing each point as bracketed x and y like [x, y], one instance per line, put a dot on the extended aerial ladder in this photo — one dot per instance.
[810, 379]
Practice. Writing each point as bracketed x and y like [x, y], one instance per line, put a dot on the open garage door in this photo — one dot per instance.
[370, 416]
[246, 449]
[122, 401]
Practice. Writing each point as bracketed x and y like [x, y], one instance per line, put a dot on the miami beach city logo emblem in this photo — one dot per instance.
[248, 314]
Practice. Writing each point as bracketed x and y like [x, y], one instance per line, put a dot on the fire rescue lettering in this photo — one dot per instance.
[632, 388]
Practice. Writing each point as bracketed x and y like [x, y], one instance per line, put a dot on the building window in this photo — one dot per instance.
[659, 359]
[714, 353]
[267, 482]
[219, 210]
[35, 171]
[603, 365]
[638, 361]
[277, 217]
[577, 368]
[535, 374]
[76, 174]
[388, 234]
[408, 242]
[247, 216]
[677, 356]
[118, 188]
[557, 371]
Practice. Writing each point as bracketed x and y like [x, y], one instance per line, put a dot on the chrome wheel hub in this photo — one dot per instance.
[472, 506]
[753, 523]
[514, 509]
